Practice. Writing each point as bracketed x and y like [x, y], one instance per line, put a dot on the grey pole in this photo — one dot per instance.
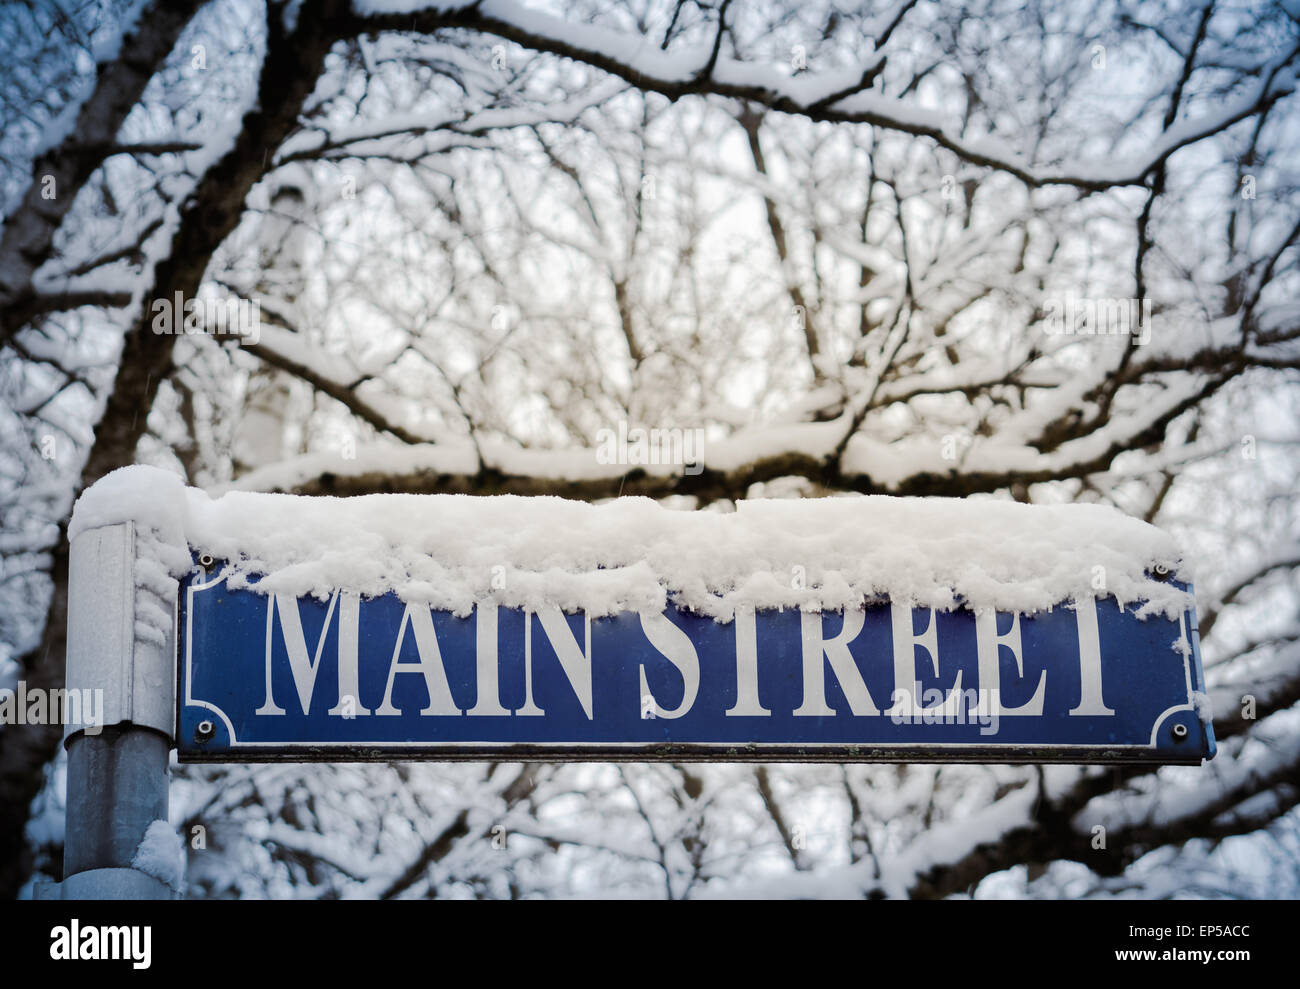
[118, 768]
[119, 781]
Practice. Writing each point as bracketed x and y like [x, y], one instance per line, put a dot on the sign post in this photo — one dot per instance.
[223, 672]
[117, 769]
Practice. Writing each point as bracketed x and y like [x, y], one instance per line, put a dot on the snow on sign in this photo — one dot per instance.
[846, 629]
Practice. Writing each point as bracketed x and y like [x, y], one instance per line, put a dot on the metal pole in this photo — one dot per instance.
[118, 768]
[119, 778]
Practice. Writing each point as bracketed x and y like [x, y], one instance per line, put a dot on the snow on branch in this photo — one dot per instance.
[841, 94]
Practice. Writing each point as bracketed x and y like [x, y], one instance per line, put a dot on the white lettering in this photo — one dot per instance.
[988, 644]
[836, 652]
[420, 618]
[906, 687]
[485, 659]
[295, 644]
[575, 661]
[677, 647]
[1090, 696]
[747, 703]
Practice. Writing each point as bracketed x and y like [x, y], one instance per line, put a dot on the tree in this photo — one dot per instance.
[868, 251]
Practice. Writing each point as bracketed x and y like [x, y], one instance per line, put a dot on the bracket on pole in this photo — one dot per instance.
[114, 642]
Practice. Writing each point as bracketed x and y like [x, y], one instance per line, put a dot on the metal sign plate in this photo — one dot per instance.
[265, 677]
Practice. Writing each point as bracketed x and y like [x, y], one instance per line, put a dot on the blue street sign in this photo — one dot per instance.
[272, 677]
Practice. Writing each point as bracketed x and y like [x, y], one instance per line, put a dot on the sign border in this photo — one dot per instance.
[1150, 753]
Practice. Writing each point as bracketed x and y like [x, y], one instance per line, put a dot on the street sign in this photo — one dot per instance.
[272, 677]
